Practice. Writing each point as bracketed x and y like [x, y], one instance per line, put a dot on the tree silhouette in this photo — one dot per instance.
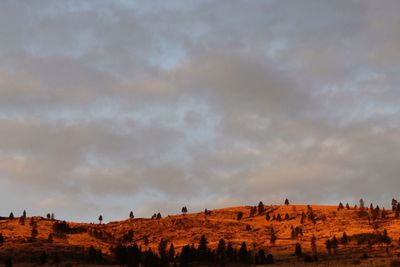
[394, 204]
[162, 251]
[328, 245]
[335, 244]
[286, 201]
[34, 231]
[184, 210]
[362, 205]
[101, 219]
[171, 252]
[11, 216]
[22, 220]
[273, 236]
[131, 215]
[253, 211]
[243, 254]
[221, 251]
[261, 207]
[314, 246]
[297, 250]
[344, 240]
[202, 249]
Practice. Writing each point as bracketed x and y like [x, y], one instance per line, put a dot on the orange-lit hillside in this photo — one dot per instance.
[222, 223]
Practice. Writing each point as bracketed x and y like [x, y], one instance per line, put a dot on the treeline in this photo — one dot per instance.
[133, 255]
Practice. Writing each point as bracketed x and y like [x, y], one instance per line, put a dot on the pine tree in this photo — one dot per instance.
[202, 249]
[340, 207]
[11, 216]
[328, 245]
[344, 240]
[221, 251]
[347, 206]
[303, 217]
[171, 253]
[273, 236]
[131, 215]
[286, 201]
[297, 250]
[184, 210]
[162, 251]
[243, 254]
[287, 216]
[24, 214]
[394, 204]
[335, 244]
[362, 205]
[261, 207]
[230, 252]
[314, 246]
[253, 211]
[101, 219]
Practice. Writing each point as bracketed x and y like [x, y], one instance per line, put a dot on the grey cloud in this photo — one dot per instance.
[147, 106]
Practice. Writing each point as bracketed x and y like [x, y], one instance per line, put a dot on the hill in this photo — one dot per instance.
[373, 236]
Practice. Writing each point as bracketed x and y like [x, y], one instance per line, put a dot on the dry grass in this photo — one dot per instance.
[222, 223]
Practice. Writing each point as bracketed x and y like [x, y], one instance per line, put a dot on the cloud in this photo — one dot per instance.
[119, 106]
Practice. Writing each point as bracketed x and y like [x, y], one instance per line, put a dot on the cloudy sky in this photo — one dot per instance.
[112, 106]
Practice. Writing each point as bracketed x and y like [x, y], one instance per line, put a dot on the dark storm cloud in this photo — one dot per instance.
[120, 105]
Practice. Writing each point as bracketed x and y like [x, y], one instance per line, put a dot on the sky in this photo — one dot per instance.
[113, 106]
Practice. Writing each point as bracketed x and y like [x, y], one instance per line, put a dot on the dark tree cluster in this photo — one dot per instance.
[156, 216]
[61, 227]
[296, 232]
[371, 238]
[332, 245]
[253, 211]
[94, 255]
[184, 210]
[165, 255]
